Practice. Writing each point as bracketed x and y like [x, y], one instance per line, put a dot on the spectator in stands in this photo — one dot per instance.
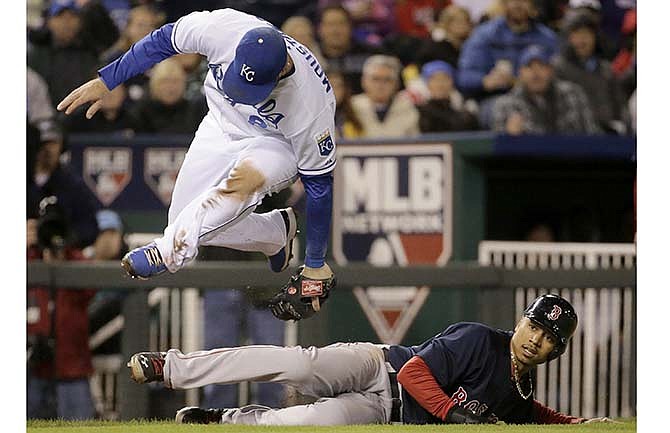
[59, 359]
[581, 62]
[39, 106]
[142, 20]
[490, 56]
[416, 18]
[476, 8]
[542, 104]
[445, 110]
[49, 177]
[550, 12]
[61, 220]
[338, 47]
[301, 29]
[609, 20]
[97, 30]
[382, 109]
[196, 72]
[372, 20]
[63, 60]
[105, 308]
[414, 21]
[166, 110]
[347, 123]
[448, 36]
[624, 64]
[115, 116]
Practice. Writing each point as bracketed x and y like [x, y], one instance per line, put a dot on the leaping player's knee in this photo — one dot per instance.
[243, 181]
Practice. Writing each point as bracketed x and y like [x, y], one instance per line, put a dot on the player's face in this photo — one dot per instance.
[380, 84]
[531, 343]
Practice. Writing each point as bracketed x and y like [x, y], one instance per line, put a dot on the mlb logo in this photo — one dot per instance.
[325, 143]
[312, 288]
[161, 166]
[107, 171]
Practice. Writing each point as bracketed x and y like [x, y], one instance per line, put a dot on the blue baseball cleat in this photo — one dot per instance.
[144, 262]
[280, 261]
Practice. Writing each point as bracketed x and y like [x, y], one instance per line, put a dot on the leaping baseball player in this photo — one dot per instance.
[467, 374]
[270, 121]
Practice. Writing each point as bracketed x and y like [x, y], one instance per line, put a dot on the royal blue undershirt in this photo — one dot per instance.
[151, 49]
[318, 212]
[156, 47]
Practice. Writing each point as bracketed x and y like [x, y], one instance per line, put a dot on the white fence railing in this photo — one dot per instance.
[595, 377]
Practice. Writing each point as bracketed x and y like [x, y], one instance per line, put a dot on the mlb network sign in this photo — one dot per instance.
[393, 204]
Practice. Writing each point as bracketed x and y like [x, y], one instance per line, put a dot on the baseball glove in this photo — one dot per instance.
[301, 297]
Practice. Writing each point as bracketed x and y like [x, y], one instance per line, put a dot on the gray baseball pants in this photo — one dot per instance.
[350, 380]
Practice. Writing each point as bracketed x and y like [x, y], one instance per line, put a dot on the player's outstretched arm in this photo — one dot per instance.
[145, 53]
[92, 91]
[319, 209]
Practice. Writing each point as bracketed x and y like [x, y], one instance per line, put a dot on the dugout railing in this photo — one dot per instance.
[126, 400]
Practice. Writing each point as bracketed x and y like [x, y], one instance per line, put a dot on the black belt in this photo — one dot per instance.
[396, 408]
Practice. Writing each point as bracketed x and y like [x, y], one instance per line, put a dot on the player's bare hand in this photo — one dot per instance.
[92, 91]
[602, 419]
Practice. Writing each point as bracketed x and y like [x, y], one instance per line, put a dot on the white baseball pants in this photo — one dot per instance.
[350, 379]
[200, 215]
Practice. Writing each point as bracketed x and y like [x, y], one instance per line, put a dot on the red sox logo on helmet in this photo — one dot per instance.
[555, 313]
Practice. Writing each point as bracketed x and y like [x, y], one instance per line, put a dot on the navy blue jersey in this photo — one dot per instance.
[471, 363]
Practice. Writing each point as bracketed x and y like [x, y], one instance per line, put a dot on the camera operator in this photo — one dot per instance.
[61, 220]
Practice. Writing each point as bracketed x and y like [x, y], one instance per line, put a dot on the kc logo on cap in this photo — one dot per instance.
[247, 72]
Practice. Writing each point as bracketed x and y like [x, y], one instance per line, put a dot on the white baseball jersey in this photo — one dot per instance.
[301, 108]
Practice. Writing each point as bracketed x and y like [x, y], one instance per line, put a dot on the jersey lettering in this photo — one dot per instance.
[257, 121]
[460, 396]
[217, 72]
[472, 406]
[265, 111]
[314, 64]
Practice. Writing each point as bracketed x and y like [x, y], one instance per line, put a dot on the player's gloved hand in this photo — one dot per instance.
[461, 415]
[304, 293]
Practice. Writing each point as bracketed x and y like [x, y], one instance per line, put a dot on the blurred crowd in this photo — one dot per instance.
[397, 68]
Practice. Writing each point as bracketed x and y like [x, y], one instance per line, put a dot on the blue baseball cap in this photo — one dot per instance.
[431, 68]
[259, 58]
[534, 52]
[58, 6]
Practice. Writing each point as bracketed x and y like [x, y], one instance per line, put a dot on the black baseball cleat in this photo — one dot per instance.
[147, 366]
[196, 415]
[280, 261]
